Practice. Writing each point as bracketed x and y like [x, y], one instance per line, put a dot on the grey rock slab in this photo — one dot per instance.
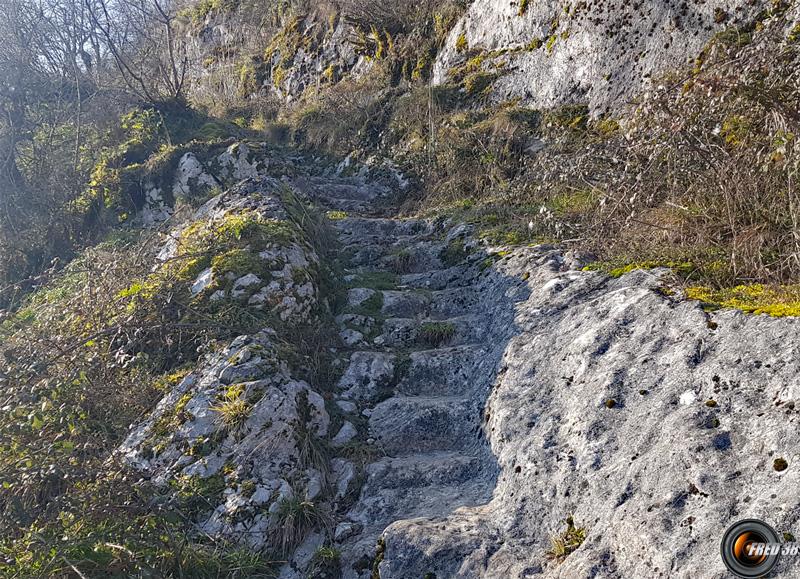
[357, 296]
[405, 303]
[422, 485]
[444, 371]
[403, 425]
[346, 433]
[366, 375]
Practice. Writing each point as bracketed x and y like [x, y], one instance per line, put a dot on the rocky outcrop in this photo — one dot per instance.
[548, 52]
[257, 50]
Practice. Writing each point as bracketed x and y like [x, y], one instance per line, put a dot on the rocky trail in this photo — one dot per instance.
[418, 372]
[482, 397]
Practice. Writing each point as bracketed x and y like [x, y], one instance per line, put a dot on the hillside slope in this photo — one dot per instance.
[409, 291]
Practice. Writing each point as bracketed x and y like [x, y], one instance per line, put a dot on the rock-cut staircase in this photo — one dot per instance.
[419, 368]
[417, 339]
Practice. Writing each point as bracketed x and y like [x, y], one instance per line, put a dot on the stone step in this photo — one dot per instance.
[385, 228]
[346, 205]
[399, 258]
[442, 372]
[430, 304]
[419, 485]
[369, 376]
[460, 275]
[405, 425]
[351, 242]
[430, 333]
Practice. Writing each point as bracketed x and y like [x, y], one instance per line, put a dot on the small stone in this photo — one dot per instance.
[314, 487]
[217, 296]
[346, 406]
[346, 530]
[351, 337]
[711, 403]
[687, 398]
[259, 298]
[247, 280]
[204, 279]
[346, 433]
[261, 496]
[358, 295]
[611, 403]
[345, 473]
[780, 464]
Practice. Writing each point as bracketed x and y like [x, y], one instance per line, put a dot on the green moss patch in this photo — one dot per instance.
[776, 301]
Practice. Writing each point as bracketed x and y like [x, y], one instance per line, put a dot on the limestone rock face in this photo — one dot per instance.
[549, 52]
[700, 412]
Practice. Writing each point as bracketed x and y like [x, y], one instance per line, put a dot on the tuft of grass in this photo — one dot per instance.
[618, 268]
[372, 305]
[325, 563]
[233, 410]
[379, 280]
[294, 520]
[454, 253]
[380, 553]
[402, 262]
[461, 43]
[567, 542]
[435, 334]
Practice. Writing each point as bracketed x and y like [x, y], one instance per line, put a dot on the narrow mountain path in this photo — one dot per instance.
[417, 341]
[418, 372]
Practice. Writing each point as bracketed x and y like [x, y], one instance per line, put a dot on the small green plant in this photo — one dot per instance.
[380, 553]
[197, 494]
[550, 44]
[379, 280]
[523, 7]
[567, 542]
[402, 261]
[775, 301]
[435, 334]
[479, 83]
[325, 563]
[461, 43]
[534, 44]
[371, 306]
[454, 253]
[233, 410]
[735, 130]
[336, 215]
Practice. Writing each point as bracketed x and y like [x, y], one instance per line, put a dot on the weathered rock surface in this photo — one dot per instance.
[549, 52]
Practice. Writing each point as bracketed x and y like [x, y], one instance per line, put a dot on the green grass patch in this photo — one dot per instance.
[618, 268]
[436, 334]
